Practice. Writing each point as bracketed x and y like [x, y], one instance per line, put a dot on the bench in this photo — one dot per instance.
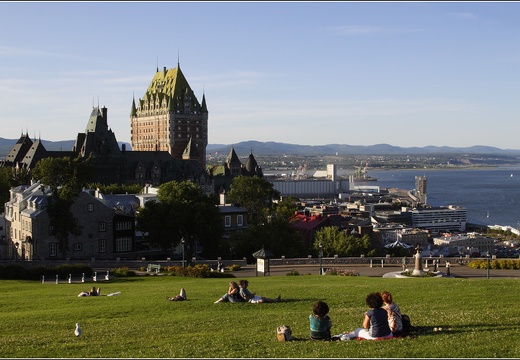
[155, 267]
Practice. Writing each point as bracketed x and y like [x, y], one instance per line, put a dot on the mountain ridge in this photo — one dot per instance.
[279, 148]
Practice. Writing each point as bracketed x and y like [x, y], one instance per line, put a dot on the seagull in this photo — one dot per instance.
[77, 331]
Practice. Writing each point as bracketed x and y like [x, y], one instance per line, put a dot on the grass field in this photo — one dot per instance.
[480, 318]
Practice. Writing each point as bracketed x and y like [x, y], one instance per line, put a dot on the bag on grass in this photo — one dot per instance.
[284, 333]
[407, 325]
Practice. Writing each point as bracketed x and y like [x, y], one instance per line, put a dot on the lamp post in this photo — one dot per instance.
[320, 254]
[16, 245]
[182, 242]
[487, 257]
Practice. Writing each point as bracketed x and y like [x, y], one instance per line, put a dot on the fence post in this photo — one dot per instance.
[382, 262]
[83, 277]
[370, 262]
[70, 278]
[56, 279]
[43, 279]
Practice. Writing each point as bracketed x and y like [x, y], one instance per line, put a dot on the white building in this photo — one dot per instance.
[467, 244]
[450, 218]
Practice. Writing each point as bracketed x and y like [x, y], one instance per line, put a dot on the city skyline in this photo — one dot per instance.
[309, 73]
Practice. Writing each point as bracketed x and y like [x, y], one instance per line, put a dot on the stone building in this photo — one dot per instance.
[222, 175]
[110, 164]
[169, 134]
[106, 231]
[169, 117]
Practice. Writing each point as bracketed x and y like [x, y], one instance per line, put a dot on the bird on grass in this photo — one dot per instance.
[77, 331]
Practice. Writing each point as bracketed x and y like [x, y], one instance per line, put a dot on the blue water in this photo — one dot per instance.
[491, 196]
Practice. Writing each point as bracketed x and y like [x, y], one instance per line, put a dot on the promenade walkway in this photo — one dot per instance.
[456, 271]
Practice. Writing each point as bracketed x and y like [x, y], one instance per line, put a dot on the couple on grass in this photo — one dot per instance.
[240, 293]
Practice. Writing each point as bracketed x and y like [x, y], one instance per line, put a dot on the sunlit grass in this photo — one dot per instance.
[479, 318]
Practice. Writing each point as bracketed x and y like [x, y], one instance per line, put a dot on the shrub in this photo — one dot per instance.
[123, 272]
[233, 267]
[197, 271]
[293, 273]
[425, 274]
[12, 272]
[341, 272]
[495, 264]
[17, 272]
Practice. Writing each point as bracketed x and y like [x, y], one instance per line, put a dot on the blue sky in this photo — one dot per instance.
[311, 73]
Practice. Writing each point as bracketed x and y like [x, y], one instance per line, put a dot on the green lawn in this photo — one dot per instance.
[37, 320]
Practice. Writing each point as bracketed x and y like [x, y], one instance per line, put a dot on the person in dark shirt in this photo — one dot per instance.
[375, 322]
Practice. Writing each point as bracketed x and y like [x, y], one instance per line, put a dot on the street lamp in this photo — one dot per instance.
[321, 256]
[182, 242]
[487, 257]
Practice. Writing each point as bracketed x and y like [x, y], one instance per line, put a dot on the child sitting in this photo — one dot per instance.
[320, 322]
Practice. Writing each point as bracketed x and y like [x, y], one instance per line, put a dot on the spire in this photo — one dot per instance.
[190, 152]
[133, 111]
[203, 107]
[157, 70]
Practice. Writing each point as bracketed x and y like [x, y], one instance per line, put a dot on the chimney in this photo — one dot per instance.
[104, 112]
[223, 197]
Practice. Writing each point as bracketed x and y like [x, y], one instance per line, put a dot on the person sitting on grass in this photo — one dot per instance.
[394, 313]
[375, 323]
[320, 322]
[252, 297]
[233, 294]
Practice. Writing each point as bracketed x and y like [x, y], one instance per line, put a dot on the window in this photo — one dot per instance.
[124, 244]
[51, 229]
[90, 207]
[78, 247]
[102, 226]
[227, 221]
[123, 225]
[240, 220]
[53, 249]
[102, 245]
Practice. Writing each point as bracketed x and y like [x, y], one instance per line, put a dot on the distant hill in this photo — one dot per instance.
[66, 145]
[276, 148]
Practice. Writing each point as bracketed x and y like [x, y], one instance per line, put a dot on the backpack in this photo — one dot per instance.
[407, 325]
[284, 333]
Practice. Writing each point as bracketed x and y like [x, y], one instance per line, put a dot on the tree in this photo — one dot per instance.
[336, 242]
[116, 188]
[256, 195]
[11, 177]
[276, 236]
[286, 208]
[66, 177]
[183, 211]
